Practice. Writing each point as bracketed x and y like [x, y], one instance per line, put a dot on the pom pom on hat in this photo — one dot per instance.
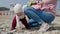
[18, 8]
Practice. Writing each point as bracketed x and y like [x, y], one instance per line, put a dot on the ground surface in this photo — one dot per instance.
[5, 24]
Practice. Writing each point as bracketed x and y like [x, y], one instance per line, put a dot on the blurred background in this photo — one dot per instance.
[6, 5]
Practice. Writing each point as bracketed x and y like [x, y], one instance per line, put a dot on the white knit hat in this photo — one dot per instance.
[18, 8]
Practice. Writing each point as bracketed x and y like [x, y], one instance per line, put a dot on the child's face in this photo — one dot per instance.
[20, 14]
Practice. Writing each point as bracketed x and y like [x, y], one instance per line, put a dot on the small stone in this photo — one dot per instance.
[0, 30]
[9, 33]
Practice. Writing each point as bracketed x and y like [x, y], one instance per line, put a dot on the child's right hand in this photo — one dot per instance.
[19, 28]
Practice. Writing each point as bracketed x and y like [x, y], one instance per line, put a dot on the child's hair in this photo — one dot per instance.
[18, 8]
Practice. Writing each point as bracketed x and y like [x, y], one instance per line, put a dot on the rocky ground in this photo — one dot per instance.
[5, 24]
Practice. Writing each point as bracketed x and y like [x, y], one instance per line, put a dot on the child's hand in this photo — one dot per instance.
[51, 6]
[45, 8]
[19, 29]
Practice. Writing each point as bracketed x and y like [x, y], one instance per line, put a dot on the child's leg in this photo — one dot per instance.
[33, 23]
[13, 23]
[39, 16]
[29, 11]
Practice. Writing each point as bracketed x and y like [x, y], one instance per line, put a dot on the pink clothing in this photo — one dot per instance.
[47, 5]
[50, 6]
[36, 6]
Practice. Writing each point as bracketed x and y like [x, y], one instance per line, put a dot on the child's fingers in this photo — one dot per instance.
[19, 29]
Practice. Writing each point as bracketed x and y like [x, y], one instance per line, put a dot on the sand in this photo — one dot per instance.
[5, 25]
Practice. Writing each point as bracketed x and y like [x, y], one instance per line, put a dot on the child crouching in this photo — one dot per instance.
[19, 18]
